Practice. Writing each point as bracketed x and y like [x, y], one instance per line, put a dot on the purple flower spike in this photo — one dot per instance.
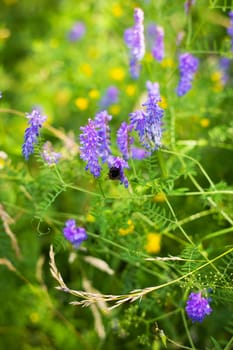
[110, 97]
[75, 235]
[156, 41]
[116, 166]
[188, 66]
[134, 39]
[77, 31]
[101, 124]
[197, 307]
[230, 29]
[90, 144]
[148, 123]
[35, 121]
[124, 140]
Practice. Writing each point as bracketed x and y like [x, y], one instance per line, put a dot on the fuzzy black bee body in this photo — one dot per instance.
[114, 173]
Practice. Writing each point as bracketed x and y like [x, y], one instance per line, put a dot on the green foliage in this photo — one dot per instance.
[148, 246]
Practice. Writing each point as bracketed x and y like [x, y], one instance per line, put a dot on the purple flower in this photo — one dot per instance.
[187, 5]
[76, 235]
[116, 166]
[153, 89]
[148, 122]
[224, 65]
[103, 131]
[110, 97]
[124, 140]
[0, 94]
[35, 121]
[50, 157]
[134, 39]
[156, 41]
[77, 31]
[89, 150]
[230, 29]
[139, 153]
[188, 66]
[197, 307]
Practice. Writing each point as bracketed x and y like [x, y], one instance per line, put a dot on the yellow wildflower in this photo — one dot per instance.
[114, 109]
[167, 63]
[94, 94]
[90, 218]
[204, 122]
[153, 243]
[117, 73]
[163, 102]
[216, 76]
[81, 103]
[148, 57]
[34, 317]
[86, 69]
[117, 10]
[160, 197]
[127, 230]
[130, 90]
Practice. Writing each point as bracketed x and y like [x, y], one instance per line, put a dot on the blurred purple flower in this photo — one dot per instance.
[156, 41]
[117, 165]
[35, 121]
[89, 150]
[77, 31]
[197, 307]
[75, 235]
[188, 66]
[124, 140]
[103, 131]
[187, 5]
[134, 39]
[139, 153]
[148, 122]
[230, 28]
[224, 66]
[110, 97]
[50, 157]
[0, 94]
[153, 89]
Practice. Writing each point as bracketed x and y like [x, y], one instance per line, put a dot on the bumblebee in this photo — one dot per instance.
[114, 173]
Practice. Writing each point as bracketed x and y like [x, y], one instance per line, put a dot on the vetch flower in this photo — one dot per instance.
[116, 169]
[156, 41]
[50, 157]
[103, 131]
[35, 121]
[75, 235]
[134, 39]
[224, 65]
[110, 97]
[197, 307]
[148, 122]
[124, 140]
[77, 31]
[89, 150]
[188, 65]
[230, 29]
